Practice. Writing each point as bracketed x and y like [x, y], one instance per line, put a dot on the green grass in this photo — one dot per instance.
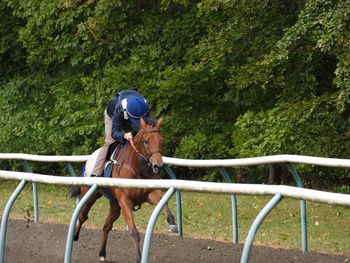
[204, 215]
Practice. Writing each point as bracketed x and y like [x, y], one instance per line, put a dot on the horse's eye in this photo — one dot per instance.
[145, 141]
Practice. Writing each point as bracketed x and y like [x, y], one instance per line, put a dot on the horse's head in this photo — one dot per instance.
[152, 144]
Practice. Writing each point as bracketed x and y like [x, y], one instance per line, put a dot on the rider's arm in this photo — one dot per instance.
[117, 128]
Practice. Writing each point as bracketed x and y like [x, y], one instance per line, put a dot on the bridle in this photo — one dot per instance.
[148, 155]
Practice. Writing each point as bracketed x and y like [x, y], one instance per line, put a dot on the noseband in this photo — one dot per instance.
[149, 155]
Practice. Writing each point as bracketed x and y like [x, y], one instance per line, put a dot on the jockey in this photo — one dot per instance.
[122, 122]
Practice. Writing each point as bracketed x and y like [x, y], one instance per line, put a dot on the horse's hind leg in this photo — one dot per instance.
[113, 215]
[83, 216]
[154, 198]
[170, 218]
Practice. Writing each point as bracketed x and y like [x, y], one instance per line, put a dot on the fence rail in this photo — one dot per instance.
[283, 158]
[186, 185]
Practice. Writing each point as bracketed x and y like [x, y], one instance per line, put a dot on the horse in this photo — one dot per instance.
[145, 148]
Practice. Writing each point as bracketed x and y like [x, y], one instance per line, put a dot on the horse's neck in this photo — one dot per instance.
[138, 144]
[139, 153]
[129, 159]
[130, 156]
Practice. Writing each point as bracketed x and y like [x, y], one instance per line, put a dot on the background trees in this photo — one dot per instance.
[232, 78]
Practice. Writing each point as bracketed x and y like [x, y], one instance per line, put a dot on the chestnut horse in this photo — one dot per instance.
[146, 148]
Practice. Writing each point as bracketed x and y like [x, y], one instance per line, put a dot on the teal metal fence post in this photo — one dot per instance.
[256, 224]
[71, 170]
[5, 218]
[233, 208]
[302, 208]
[35, 193]
[73, 222]
[178, 202]
[149, 231]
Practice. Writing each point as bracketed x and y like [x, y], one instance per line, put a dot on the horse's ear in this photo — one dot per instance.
[159, 123]
[142, 123]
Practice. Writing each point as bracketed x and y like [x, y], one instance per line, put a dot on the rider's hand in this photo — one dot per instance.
[128, 136]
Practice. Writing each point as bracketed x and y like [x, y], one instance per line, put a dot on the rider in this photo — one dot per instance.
[122, 121]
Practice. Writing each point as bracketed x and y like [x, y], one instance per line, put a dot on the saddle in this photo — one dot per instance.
[112, 159]
[112, 153]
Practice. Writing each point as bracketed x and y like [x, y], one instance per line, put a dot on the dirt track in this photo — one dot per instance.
[29, 242]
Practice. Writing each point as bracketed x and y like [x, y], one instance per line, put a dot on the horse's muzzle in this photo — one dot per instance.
[155, 168]
[156, 164]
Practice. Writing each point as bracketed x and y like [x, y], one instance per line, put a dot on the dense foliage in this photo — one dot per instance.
[232, 78]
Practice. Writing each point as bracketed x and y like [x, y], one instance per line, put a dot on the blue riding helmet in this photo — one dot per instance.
[136, 108]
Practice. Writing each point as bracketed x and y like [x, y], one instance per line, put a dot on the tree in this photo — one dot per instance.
[232, 78]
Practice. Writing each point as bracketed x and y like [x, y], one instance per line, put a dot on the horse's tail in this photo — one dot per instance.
[75, 192]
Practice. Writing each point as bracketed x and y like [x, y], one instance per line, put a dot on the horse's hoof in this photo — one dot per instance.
[102, 259]
[76, 238]
[173, 229]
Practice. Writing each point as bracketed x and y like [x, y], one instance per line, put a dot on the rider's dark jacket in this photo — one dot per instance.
[115, 111]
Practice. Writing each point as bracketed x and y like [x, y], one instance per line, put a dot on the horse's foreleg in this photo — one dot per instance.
[83, 216]
[127, 210]
[154, 198]
[113, 215]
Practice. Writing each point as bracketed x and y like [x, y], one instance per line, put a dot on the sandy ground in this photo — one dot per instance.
[29, 242]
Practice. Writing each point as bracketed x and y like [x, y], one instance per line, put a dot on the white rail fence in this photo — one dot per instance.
[284, 158]
[185, 185]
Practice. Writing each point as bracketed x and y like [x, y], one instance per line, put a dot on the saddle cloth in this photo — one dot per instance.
[112, 152]
[90, 163]
[111, 156]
